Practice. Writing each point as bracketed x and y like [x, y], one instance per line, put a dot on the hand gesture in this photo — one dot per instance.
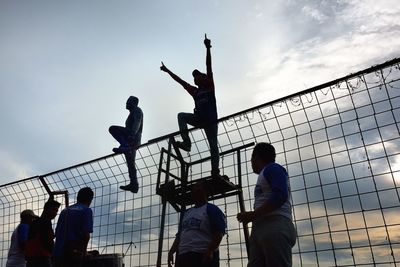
[163, 68]
[207, 42]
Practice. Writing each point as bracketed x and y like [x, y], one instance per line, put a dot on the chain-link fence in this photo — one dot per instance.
[339, 142]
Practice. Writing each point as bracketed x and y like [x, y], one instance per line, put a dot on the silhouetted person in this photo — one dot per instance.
[16, 254]
[205, 112]
[39, 246]
[273, 234]
[73, 231]
[129, 138]
[200, 233]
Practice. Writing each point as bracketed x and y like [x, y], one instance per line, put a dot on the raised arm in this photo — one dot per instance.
[207, 43]
[173, 75]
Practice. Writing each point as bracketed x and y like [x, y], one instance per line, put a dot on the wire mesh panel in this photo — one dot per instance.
[339, 142]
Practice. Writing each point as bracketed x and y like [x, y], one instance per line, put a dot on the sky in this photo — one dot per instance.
[67, 67]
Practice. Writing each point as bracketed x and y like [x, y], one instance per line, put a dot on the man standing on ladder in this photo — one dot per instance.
[205, 112]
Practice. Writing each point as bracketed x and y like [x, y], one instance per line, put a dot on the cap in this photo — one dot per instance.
[28, 213]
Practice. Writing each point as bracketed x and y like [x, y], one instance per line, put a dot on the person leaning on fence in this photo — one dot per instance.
[16, 254]
[273, 234]
[129, 138]
[73, 231]
[205, 112]
[200, 233]
[39, 246]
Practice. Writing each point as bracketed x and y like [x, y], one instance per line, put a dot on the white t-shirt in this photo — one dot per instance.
[198, 225]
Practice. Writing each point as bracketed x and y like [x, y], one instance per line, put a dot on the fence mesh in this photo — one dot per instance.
[339, 142]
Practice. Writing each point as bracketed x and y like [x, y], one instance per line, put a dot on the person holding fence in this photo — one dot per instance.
[129, 138]
[273, 234]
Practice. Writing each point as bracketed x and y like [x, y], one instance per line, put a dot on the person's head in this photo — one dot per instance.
[263, 153]
[199, 193]
[28, 216]
[85, 196]
[50, 209]
[132, 102]
[200, 79]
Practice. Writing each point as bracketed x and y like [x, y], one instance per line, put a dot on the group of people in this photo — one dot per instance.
[204, 116]
[201, 228]
[35, 244]
[273, 234]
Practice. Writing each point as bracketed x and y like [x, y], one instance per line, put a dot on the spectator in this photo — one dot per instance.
[273, 234]
[200, 233]
[73, 231]
[16, 254]
[39, 246]
[205, 112]
[129, 138]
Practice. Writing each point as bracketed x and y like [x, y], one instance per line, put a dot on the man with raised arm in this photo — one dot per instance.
[205, 112]
[273, 234]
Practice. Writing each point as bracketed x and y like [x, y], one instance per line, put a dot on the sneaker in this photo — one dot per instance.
[134, 188]
[121, 149]
[184, 145]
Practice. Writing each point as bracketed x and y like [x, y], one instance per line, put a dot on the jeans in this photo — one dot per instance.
[271, 242]
[121, 135]
[211, 131]
[194, 259]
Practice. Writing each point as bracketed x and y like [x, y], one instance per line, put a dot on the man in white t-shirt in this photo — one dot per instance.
[273, 234]
[200, 233]
[16, 256]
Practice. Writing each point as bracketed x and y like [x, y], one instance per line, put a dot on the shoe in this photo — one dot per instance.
[121, 149]
[134, 188]
[184, 146]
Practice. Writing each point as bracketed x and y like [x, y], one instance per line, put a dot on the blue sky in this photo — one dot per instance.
[67, 67]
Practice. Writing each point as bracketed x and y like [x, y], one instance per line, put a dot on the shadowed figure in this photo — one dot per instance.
[205, 112]
[200, 233]
[129, 138]
[273, 234]
[19, 237]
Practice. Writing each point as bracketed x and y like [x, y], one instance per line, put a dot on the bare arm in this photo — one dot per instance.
[173, 75]
[207, 43]
[172, 251]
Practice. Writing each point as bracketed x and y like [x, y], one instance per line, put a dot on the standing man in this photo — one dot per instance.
[73, 231]
[16, 254]
[39, 246]
[129, 138]
[273, 234]
[201, 231]
[205, 112]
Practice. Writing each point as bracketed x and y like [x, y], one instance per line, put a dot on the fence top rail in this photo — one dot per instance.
[167, 136]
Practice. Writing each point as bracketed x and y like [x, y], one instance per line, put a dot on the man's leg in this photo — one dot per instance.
[130, 158]
[276, 236]
[183, 120]
[120, 134]
[212, 137]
